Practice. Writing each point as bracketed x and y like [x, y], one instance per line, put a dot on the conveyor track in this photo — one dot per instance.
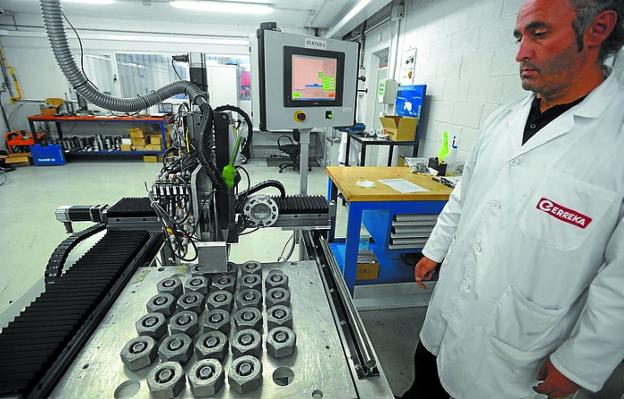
[298, 204]
[45, 330]
[131, 207]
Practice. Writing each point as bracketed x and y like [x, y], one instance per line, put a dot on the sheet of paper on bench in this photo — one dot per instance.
[403, 186]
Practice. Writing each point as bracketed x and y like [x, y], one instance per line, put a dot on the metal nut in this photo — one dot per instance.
[223, 282]
[166, 381]
[161, 303]
[249, 298]
[185, 322]
[177, 348]
[217, 320]
[170, 285]
[250, 282]
[279, 316]
[277, 296]
[193, 301]
[251, 267]
[281, 342]
[247, 342]
[152, 325]
[248, 318]
[276, 279]
[139, 352]
[245, 374]
[220, 300]
[206, 377]
[212, 344]
[196, 284]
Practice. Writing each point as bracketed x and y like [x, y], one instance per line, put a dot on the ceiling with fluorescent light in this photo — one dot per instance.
[287, 13]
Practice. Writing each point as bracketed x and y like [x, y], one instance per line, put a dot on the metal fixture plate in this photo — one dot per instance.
[319, 362]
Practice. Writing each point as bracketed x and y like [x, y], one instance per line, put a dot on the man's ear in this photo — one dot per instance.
[601, 28]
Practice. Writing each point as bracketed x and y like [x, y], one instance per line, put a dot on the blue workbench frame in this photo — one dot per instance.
[376, 216]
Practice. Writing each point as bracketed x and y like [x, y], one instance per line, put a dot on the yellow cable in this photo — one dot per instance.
[188, 147]
[18, 88]
[11, 70]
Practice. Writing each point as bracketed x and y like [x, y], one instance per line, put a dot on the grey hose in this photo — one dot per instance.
[53, 21]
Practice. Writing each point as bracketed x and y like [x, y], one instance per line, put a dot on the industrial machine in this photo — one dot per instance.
[153, 307]
[301, 82]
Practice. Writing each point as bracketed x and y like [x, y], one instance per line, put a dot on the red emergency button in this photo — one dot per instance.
[300, 116]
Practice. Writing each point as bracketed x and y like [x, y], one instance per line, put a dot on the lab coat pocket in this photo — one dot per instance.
[523, 324]
[563, 211]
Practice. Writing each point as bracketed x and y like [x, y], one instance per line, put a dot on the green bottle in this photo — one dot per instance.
[444, 148]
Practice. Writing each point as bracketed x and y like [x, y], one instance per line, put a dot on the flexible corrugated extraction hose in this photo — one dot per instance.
[53, 22]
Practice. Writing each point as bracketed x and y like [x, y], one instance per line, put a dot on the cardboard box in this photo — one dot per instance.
[138, 148]
[153, 147]
[151, 158]
[136, 132]
[399, 128]
[139, 141]
[156, 139]
[367, 266]
[126, 147]
[126, 141]
[18, 158]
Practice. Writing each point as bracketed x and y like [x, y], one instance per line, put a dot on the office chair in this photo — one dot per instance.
[293, 150]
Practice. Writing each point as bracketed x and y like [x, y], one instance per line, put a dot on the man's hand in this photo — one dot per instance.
[554, 384]
[424, 271]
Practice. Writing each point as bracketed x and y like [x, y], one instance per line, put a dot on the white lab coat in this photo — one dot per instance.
[521, 282]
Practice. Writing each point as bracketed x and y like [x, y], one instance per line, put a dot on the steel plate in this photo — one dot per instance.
[320, 367]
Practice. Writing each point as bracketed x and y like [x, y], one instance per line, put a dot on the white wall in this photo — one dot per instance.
[465, 56]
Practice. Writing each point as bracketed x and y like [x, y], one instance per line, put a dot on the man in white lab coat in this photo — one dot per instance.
[530, 298]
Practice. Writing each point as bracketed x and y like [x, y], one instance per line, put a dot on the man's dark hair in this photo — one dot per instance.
[586, 11]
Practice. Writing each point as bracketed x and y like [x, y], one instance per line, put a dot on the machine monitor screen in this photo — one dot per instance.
[312, 77]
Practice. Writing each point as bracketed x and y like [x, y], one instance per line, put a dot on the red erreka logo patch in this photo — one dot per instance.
[564, 214]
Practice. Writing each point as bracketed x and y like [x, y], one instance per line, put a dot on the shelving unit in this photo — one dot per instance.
[58, 121]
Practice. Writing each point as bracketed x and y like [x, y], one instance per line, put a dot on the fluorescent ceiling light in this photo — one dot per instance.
[175, 39]
[348, 17]
[96, 2]
[222, 7]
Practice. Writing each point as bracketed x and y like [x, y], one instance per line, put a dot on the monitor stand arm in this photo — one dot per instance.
[303, 160]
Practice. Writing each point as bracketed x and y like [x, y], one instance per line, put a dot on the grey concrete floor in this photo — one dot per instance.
[30, 233]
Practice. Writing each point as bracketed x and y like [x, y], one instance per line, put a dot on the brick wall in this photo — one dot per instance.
[466, 56]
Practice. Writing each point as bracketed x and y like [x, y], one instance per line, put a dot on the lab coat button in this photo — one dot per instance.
[476, 248]
[495, 204]
[515, 162]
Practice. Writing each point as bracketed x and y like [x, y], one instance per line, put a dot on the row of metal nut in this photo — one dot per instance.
[206, 377]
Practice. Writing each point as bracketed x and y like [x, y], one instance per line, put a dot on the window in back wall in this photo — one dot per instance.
[139, 74]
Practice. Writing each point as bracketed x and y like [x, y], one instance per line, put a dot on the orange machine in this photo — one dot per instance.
[18, 141]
